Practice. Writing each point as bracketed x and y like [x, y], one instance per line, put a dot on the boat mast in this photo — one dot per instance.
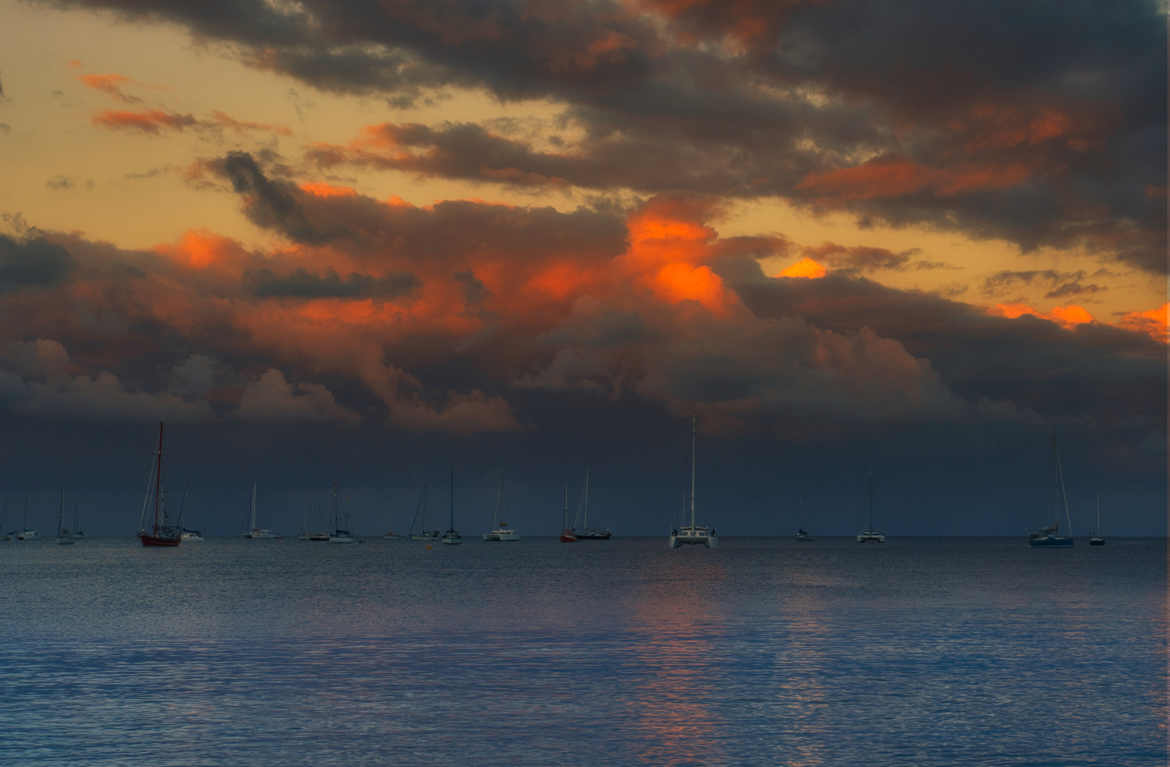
[61, 511]
[499, 500]
[565, 510]
[869, 525]
[585, 514]
[1098, 515]
[692, 473]
[158, 477]
[451, 508]
[253, 527]
[1063, 494]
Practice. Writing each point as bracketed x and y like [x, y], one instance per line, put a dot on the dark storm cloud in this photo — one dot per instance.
[34, 262]
[450, 230]
[864, 258]
[264, 283]
[1042, 125]
[1060, 284]
[1094, 374]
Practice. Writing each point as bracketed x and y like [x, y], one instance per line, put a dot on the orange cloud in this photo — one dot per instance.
[1155, 323]
[894, 177]
[149, 121]
[109, 85]
[227, 121]
[201, 249]
[321, 189]
[805, 268]
[1066, 316]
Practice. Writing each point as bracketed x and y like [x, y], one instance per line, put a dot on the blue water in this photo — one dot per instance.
[764, 651]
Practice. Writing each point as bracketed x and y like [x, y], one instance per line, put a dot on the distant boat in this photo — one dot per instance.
[693, 534]
[418, 523]
[1047, 537]
[25, 533]
[869, 534]
[803, 535]
[500, 530]
[78, 533]
[1097, 540]
[64, 537]
[306, 534]
[159, 532]
[192, 535]
[587, 533]
[452, 536]
[568, 535]
[341, 533]
[258, 533]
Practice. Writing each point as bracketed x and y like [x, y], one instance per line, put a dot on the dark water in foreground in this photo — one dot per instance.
[921, 651]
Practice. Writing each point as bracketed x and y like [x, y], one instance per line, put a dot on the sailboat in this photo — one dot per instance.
[1097, 540]
[159, 532]
[869, 534]
[568, 534]
[340, 534]
[188, 535]
[588, 533]
[1046, 537]
[391, 535]
[78, 533]
[26, 533]
[418, 523]
[258, 533]
[692, 535]
[64, 537]
[500, 530]
[452, 536]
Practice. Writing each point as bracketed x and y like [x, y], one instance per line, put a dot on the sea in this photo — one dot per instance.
[764, 651]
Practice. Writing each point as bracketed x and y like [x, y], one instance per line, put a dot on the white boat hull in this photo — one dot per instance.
[699, 536]
[502, 535]
[871, 536]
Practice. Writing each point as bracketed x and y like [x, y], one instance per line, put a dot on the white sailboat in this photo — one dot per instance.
[693, 534]
[869, 534]
[500, 530]
[26, 533]
[258, 533]
[341, 533]
[587, 533]
[1047, 537]
[452, 536]
[64, 537]
[1097, 539]
[418, 523]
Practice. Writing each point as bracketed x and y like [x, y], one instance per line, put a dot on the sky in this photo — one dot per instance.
[360, 243]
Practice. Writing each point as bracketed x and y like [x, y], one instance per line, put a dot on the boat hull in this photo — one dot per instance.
[693, 537]
[1096, 541]
[871, 538]
[594, 535]
[1050, 542]
[159, 540]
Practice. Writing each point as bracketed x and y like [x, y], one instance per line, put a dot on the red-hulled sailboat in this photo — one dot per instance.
[568, 535]
[159, 533]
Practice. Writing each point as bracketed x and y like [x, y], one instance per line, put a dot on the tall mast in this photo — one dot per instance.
[499, 501]
[1098, 515]
[158, 477]
[451, 508]
[253, 527]
[565, 510]
[869, 525]
[585, 519]
[61, 511]
[692, 473]
[1063, 494]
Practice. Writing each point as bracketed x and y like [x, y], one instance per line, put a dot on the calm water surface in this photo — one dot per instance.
[921, 651]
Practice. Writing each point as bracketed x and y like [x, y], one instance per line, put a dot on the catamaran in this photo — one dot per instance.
[869, 534]
[258, 533]
[587, 533]
[159, 532]
[693, 535]
[1097, 540]
[500, 530]
[452, 536]
[1047, 537]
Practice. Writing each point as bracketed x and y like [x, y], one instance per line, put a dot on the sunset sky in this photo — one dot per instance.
[356, 241]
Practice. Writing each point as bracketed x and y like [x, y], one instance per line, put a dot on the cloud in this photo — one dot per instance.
[66, 183]
[264, 283]
[32, 262]
[5, 128]
[111, 85]
[151, 121]
[272, 398]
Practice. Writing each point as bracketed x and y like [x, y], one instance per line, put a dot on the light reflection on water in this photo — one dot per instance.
[761, 652]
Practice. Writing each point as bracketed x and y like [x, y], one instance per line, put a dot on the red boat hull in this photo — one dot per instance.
[154, 540]
[568, 538]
